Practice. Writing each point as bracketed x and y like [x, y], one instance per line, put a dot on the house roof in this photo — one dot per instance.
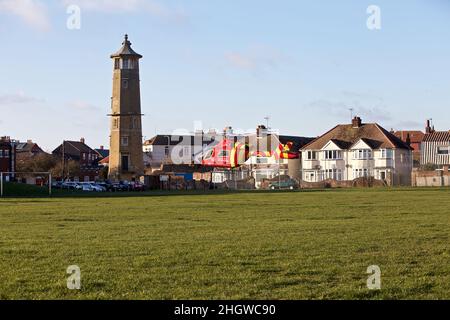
[126, 50]
[345, 135]
[173, 140]
[74, 148]
[437, 136]
[105, 160]
[28, 147]
[415, 136]
[298, 142]
[102, 152]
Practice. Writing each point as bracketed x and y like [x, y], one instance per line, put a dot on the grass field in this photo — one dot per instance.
[280, 245]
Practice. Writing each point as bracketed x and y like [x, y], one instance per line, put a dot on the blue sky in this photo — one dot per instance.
[303, 63]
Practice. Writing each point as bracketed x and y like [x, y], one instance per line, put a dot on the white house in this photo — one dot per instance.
[435, 148]
[169, 149]
[351, 151]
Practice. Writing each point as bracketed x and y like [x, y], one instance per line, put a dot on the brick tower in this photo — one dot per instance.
[126, 157]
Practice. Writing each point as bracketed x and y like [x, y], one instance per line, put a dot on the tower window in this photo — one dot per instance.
[116, 123]
[125, 64]
[116, 63]
[125, 84]
[124, 141]
[135, 124]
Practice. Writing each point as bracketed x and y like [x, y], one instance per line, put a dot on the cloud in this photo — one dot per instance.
[32, 12]
[369, 111]
[256, 58]
[82, 105]
[152, 7]
[18, 98]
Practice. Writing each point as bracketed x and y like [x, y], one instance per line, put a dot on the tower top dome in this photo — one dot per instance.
[126, 50]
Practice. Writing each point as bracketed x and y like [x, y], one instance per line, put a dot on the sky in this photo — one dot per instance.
[224, 63]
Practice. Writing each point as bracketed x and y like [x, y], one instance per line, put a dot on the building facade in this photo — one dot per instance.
[349, 152]
[414, 139]
[7, 157]
[126, 157]
[86, 157]
[435, 150]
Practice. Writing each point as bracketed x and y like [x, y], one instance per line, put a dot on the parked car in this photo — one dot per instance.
[85, 186]
[57, 185]
[283, 184]
[92, 187]
[137, 186]
[106, 185]
[69, 185]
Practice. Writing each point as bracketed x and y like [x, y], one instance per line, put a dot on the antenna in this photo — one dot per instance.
[351, 113]
[267, 118]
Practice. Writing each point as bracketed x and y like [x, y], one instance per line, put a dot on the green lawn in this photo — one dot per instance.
[257, 245]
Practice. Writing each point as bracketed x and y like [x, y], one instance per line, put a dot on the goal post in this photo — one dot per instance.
[26, 176]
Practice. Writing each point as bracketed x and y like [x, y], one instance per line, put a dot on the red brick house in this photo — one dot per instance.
[414, 138]
[80, 152]
[27, 150]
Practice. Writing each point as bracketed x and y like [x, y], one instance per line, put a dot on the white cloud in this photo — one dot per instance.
[256, 58]
[152, 7]
[82, 105]
[32, 12]
[18, 98]
[240, 61]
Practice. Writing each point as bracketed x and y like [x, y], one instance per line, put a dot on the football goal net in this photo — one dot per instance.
[25, 183]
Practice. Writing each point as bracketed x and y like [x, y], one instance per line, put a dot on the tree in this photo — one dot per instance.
[42, 162]
[71, 169]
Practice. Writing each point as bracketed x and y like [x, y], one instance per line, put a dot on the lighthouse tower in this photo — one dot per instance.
[126, 156]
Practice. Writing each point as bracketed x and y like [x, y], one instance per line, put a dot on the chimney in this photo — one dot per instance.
[29, 141]
[356, 122]
[408, 140]
[228, 131]
[82, 140]
[261, 131]
[102, 148]
[428, 127]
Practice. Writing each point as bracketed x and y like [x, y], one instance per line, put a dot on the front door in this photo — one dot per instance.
[125, 163]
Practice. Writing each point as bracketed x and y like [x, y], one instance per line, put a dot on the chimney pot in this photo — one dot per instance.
[82, 140]
[356, 122]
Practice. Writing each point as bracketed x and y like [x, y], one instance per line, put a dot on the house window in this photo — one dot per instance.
[311, 155]
[84, 156]
[333, 154]
[124, 141]
[359, 173]
[362, 154]
[335, 174]
[443, 150]
[386, 153]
